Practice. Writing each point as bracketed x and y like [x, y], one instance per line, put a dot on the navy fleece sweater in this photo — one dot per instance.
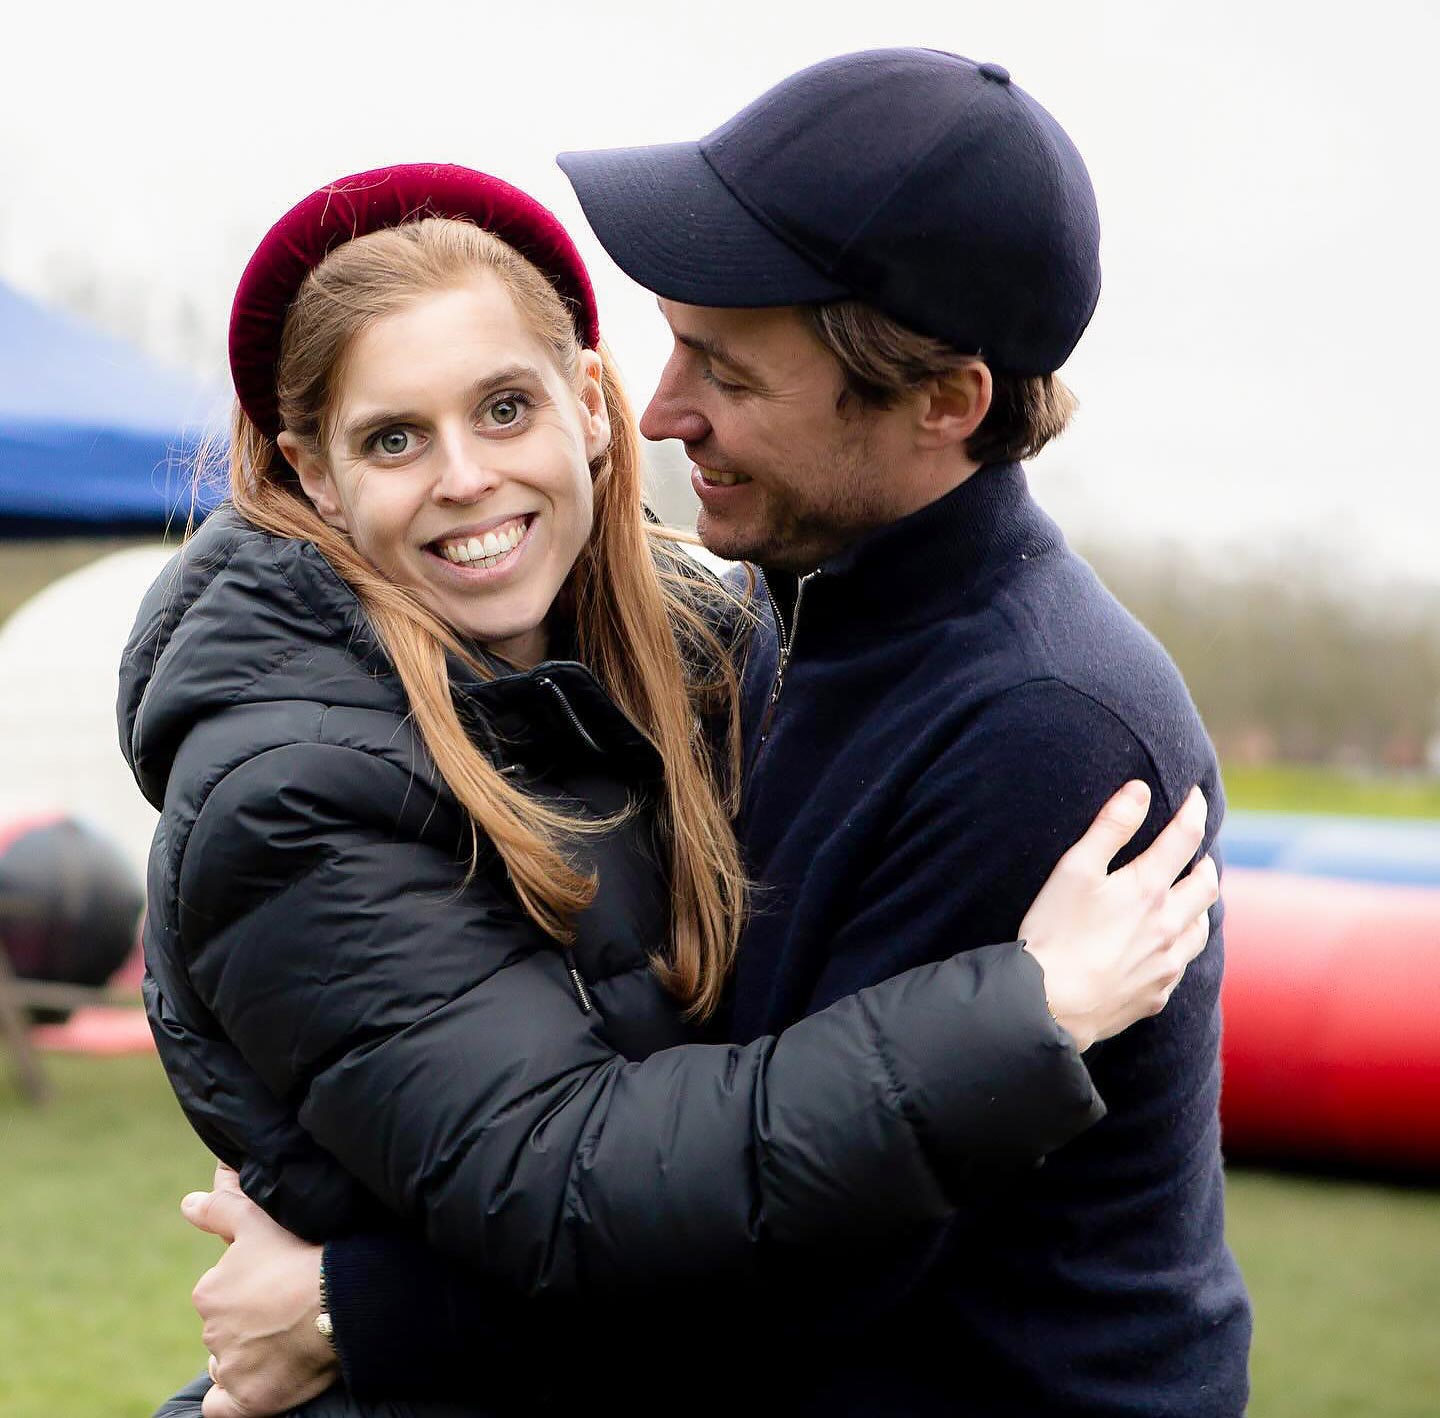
[959, 697]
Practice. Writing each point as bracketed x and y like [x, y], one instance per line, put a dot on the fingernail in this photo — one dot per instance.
[190, 1201]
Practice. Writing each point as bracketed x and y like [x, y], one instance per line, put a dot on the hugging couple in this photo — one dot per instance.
[609, 983]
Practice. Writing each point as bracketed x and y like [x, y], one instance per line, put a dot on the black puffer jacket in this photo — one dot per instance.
[350, 1028]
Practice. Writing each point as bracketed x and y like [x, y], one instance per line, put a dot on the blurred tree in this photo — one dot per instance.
[1284, 662]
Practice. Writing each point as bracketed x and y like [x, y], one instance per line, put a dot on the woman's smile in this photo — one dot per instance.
[483, 553]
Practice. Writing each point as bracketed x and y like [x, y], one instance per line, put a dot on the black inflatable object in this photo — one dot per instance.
[69, 903]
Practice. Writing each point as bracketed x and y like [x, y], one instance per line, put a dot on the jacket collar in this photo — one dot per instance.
[559, 705]
[927, 565]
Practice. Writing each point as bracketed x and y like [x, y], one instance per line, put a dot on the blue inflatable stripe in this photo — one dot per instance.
[1400, 853]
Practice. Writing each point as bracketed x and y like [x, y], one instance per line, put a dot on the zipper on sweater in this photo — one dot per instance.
[578, 980]
[569, 713]
[786, 640]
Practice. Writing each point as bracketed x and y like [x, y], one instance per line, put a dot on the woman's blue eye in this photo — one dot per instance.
[393, 441]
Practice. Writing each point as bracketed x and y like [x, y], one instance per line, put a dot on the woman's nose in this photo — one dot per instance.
[466, 472]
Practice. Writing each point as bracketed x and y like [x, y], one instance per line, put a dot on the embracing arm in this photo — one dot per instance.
[411, 1323]
[433, 1045]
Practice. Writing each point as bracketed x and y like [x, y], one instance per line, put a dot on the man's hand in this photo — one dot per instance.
[258, 1305]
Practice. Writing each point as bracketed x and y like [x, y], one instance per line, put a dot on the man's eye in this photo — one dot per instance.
[508, 409]
[392, 442]
[723, 385]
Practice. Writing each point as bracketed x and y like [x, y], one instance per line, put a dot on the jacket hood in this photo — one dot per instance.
[241, 617]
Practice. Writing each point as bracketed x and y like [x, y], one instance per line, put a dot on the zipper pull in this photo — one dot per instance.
[769, 717]
[578, 980]
[565, 708]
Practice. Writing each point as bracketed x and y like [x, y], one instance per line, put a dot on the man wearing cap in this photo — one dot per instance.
[872, 274]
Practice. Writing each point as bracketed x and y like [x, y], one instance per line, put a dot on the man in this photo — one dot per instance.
[871, 275]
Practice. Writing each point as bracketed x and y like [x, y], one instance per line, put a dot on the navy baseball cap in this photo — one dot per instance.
[927, 185]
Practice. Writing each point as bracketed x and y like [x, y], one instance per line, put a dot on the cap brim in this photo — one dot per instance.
[670, 224]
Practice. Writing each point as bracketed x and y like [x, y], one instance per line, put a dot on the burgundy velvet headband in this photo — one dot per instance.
[371, 201]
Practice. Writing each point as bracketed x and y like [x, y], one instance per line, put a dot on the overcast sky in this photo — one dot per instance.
[1261, 373]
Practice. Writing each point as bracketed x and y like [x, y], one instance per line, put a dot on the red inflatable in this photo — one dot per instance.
[1332, 1021]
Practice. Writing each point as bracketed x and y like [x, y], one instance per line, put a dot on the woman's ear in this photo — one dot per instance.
[594, 412]
[316, 481]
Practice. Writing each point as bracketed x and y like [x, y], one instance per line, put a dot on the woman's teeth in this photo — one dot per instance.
[487, 550]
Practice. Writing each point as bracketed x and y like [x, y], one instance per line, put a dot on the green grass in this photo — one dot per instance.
[1346, 1284]
[96, 1265]
[1293, 787]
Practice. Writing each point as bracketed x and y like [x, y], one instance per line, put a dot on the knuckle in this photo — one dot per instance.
[1112, 818]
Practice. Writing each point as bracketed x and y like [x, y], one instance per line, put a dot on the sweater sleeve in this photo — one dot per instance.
[1042, 760]
[982, 827]
[431, 1042]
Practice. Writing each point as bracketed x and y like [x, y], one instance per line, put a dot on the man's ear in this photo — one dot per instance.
[955, 404]
[315, 479]
[594, 413]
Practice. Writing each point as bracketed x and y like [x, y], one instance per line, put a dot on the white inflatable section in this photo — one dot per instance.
[59, 668]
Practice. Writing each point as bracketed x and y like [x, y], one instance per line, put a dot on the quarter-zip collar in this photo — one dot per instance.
[923, 567]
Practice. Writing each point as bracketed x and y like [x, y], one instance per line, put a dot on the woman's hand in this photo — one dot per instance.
[1113, 945]
[259, 1305]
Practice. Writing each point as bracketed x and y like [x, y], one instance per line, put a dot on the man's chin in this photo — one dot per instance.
[766, 547]
[729, 540]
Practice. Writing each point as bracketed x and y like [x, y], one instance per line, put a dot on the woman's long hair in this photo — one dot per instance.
[644, 622]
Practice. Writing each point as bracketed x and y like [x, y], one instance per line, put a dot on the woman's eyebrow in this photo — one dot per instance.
[366, 421]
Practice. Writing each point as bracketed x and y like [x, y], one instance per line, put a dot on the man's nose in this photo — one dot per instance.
[467, 471]
[671, 413]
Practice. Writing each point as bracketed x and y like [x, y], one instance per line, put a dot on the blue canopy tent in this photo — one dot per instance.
[94, 437]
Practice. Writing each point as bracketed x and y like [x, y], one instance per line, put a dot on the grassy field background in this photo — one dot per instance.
[96, 1265]
[1299, 787]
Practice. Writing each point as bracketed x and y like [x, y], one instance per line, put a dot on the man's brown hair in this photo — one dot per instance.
[882, 360]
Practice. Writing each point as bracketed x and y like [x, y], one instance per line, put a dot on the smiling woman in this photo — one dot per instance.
[431, 387]
[457, 458]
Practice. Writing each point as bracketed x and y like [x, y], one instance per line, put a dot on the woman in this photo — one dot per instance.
[444, 880]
